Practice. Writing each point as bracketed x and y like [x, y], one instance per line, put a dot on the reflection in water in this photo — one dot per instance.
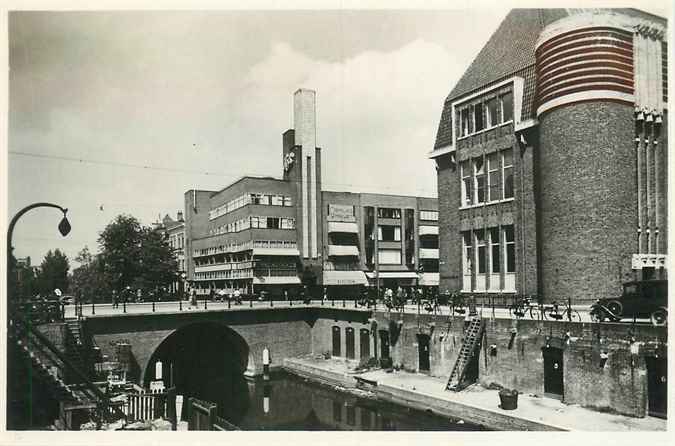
[287, 402]
[207, 361]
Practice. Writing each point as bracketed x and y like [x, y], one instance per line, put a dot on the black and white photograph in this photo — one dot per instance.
[338, 218]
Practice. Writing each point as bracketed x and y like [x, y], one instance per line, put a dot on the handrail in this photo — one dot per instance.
[101, 397]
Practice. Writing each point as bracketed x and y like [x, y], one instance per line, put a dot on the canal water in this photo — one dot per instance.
[287, 402]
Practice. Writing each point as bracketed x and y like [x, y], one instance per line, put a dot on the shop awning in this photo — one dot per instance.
[429, 279]
[428, 230]
[343, 250]
[344, 278]
[276, 280]
[393, 275]
[339, 226]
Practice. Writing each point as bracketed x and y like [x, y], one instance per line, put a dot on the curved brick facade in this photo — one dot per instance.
[588, 215]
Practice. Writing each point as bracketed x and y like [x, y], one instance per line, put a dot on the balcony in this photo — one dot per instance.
[343, 250]
[344, 227]
[428, 230]
[276, 252]
[427, 253]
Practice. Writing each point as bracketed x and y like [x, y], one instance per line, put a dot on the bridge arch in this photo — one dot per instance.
[202, 359]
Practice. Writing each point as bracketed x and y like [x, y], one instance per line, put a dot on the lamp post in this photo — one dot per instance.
[64, 226]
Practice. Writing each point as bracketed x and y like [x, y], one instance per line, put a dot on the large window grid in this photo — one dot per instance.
[487, 256]
[484, 114]
[243, 200]
[486, 179]
[255, 222]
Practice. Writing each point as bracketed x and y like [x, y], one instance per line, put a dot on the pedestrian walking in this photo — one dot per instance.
[212, 294]
[114, 299]
[193, 301]
[237, 297]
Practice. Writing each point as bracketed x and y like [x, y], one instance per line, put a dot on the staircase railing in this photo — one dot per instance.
[38, 341]
[470, 343]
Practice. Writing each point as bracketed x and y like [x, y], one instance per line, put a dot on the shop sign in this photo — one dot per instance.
[341, 212]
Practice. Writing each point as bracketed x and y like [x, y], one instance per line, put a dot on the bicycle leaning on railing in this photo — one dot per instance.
[554, 311]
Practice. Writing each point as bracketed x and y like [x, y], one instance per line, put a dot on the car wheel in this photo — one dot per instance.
[615, 308]
[659, 317]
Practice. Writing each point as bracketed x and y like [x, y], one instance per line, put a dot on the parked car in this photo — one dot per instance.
[639, 299]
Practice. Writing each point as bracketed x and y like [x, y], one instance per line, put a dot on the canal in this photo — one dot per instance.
[287, 402]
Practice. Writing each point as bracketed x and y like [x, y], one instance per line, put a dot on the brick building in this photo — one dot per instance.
[552, 155]
[278, 234]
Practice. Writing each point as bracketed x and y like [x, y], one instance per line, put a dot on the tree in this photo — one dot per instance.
[88, 280]
[135, 256]
[53, 273]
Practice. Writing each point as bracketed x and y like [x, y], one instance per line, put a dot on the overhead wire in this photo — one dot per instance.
[179, 170]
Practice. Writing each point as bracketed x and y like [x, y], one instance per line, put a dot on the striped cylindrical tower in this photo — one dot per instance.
[587, 163]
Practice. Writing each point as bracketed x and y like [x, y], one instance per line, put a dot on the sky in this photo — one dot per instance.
[121, 112]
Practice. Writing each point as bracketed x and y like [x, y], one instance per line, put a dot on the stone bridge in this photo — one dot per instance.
[285, 332]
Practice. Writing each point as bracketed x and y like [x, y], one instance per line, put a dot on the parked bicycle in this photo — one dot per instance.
[556, 312]
[521, 306]
[431, 306]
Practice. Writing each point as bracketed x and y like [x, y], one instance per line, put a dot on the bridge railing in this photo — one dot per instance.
[202, 416]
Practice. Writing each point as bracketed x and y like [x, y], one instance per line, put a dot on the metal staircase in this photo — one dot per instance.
[46, 360]
[76, 351]
[45, 371]
[470, 346]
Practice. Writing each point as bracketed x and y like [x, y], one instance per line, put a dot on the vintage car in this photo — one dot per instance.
[640, 299]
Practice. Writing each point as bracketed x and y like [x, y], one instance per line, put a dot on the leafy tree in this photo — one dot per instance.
[157, 264]
[53, 272]
[88, 280]
[136, 256]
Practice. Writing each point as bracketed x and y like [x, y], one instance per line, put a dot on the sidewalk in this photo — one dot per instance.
[474, 404]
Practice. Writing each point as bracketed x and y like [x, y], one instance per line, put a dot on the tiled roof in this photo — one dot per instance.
[509, 52]
[510, 49]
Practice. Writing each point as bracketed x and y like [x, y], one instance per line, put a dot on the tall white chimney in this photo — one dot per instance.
[304, 123]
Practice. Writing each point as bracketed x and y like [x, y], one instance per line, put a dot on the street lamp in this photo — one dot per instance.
[64, 229]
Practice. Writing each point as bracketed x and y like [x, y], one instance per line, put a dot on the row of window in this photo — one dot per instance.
[273, 222]
[429, 215]
[228, 247]
[487, 178]
[227, 274]
[237, 247]
[256, 222]
[487, 113]
[492, 253]
[228, 265]
[263, 199]
[388, 213]
[286, 244]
